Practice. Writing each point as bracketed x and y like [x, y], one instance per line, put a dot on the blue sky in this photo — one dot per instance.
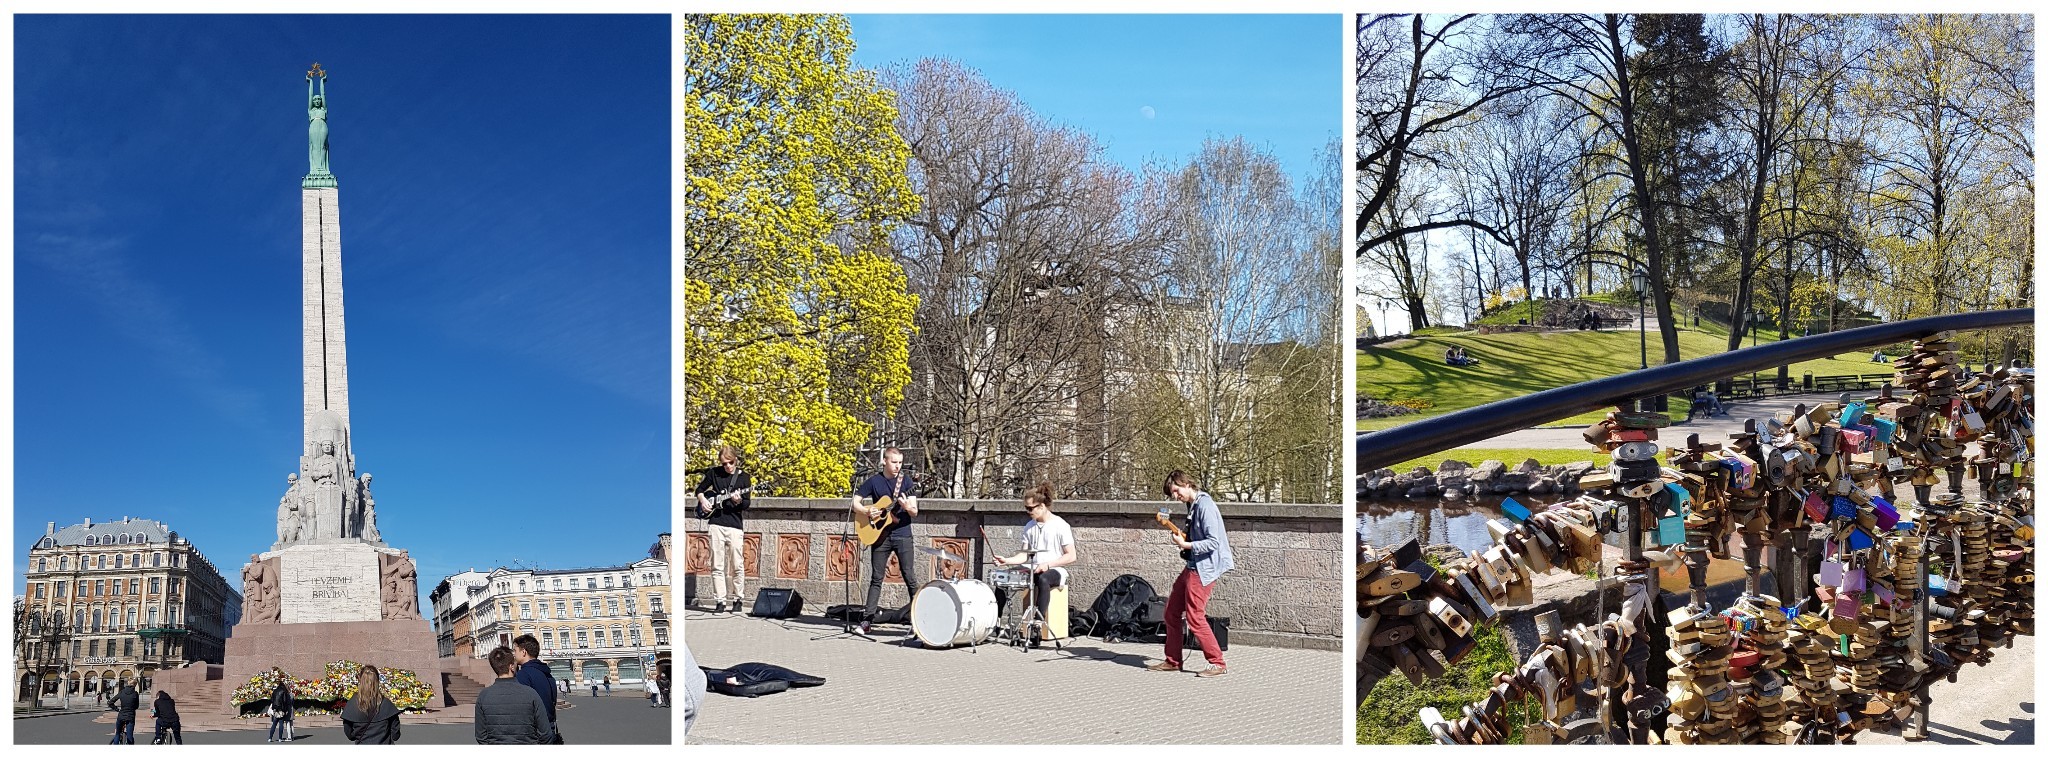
[505, 247]
[1276, 80]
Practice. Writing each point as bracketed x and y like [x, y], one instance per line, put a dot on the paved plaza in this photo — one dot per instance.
[624, 718]
[1092, 692]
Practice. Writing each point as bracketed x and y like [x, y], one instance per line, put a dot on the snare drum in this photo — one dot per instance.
[1010, 578]
[949, 612]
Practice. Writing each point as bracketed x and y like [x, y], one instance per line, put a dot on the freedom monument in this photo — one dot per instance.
[329, 588]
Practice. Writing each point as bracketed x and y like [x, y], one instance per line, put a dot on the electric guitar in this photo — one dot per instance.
[719, 500]
[1166, 520]
[871, 529]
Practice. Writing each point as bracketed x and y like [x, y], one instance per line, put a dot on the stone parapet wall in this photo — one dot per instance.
[1285, 590]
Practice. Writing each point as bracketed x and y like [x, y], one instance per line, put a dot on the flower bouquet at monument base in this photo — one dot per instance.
[330, 693]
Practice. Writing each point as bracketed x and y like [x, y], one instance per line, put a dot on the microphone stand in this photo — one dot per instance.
[846, 628]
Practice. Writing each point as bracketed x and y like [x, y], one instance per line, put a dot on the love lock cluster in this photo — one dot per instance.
[1878, 601]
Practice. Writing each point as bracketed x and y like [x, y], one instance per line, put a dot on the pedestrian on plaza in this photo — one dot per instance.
[607, 685]
[593, 687]
[507, 712]
[280, 708]
[662, 681]
[166, 712]
[653, 691]
[123, 704]
[533, 673]
[370, 718]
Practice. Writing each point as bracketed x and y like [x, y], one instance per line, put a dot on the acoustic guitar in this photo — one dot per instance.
[870, 530]
[1166, 520]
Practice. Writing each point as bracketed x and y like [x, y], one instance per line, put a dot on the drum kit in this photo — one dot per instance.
[955, 612]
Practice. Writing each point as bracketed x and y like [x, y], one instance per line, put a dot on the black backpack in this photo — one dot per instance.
[1119, 611]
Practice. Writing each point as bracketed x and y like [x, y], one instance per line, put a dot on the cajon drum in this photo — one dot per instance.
[1056, 613]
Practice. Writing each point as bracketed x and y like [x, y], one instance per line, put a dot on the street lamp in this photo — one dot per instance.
[1755, 314]
[1641, 281]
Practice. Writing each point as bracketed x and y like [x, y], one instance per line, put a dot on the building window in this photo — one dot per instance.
[561, 609]
[39, 592]
[525, 610]
[174, 616]
[156, 560]
[156, 585]
[558, 584]
[135, 586]
[547, 638]
[103, 561]
[60, 590]
[582, 638]
[131, 617]
[128, 647]
[149, 647]
[522, 585]
[63, 562]
[599, 633]
[88, 540]
[654, 603]
[99, 587]
[151, 615]
[135, 559]
[632, 607]
[42, 564]
[77, 621]
[75, 645]
[636, 636]
[543, 610]
[611, 606]
[607, 582]
[93, 648]
[660, 636]
[579, 609]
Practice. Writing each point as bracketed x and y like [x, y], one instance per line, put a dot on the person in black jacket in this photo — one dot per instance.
[726, 525]
[370, 718]
[123, 704]
[280, 708]
[166, 712]
[533, 673]
[510, 713]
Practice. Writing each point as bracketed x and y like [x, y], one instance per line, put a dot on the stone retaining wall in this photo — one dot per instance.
[1285, 591]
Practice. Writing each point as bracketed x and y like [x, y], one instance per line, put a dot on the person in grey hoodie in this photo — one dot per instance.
[1207, 547]
[510, 713]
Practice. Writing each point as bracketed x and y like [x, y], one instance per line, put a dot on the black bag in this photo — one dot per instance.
[1080, 623]
[1153, 619]
[775, 603]
[1119, 609]
[1218, 625]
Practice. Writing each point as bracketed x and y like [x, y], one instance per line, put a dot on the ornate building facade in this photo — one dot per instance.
[592, 623]
[117, 602]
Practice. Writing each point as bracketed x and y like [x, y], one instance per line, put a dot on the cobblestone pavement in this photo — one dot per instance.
[622, 719]
[1091, 693]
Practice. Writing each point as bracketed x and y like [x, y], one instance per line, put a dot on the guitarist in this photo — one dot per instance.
[1207, 548]
[896, 536]
[727, 525]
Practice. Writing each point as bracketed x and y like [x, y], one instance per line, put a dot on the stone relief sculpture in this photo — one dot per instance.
[367, 525]
[401, 587]
[260, 592]
[290, 518]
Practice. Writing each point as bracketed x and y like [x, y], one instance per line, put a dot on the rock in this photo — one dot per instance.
[1489, 471]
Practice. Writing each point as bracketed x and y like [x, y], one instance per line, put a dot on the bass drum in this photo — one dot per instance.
[949, 612]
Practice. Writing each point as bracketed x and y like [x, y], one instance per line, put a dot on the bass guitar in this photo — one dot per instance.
[718, 501]
[1166, 520]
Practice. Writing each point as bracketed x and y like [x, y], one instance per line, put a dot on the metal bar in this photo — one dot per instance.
[1408, 441]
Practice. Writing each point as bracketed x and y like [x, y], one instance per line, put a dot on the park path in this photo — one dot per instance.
[1709, 429]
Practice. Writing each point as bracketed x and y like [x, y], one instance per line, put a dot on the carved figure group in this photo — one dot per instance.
[260, 591]
[400, 587]
[325, 499]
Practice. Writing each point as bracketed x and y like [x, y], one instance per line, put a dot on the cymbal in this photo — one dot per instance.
[941, 554]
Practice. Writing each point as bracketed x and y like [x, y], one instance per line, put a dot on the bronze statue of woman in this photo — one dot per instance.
[316, 117]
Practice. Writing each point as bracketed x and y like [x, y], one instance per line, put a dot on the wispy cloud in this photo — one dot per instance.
[139, 311]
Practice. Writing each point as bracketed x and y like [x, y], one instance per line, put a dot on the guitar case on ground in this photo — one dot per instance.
[1119, 611]
[754, 679]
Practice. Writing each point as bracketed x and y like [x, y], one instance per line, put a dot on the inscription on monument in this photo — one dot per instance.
[330, 583]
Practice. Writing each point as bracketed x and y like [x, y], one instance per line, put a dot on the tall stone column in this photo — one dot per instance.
[326, 344]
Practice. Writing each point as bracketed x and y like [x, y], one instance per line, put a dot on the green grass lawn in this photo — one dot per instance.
[1388, 714]
[1521, 363]
[1511, 456]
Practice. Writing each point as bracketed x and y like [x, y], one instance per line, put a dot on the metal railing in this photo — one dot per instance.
[1409, 441]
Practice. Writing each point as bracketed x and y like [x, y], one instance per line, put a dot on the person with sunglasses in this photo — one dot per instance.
[1048, 547]
[727, 527]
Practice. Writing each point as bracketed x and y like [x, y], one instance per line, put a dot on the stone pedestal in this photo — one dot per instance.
[304, 650]
[323, 583]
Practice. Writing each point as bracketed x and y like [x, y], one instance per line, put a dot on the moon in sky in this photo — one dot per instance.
[1147, 112]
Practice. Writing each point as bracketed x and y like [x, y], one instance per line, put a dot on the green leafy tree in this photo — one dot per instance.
[797, 323]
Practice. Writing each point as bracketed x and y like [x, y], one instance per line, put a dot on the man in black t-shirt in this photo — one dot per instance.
[896, 537]
[727, 526]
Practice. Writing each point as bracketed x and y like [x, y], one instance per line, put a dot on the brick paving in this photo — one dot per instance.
[1091, 693]
[621, 719]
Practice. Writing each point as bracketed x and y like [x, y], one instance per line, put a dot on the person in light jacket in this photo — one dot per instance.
[1207, 548]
